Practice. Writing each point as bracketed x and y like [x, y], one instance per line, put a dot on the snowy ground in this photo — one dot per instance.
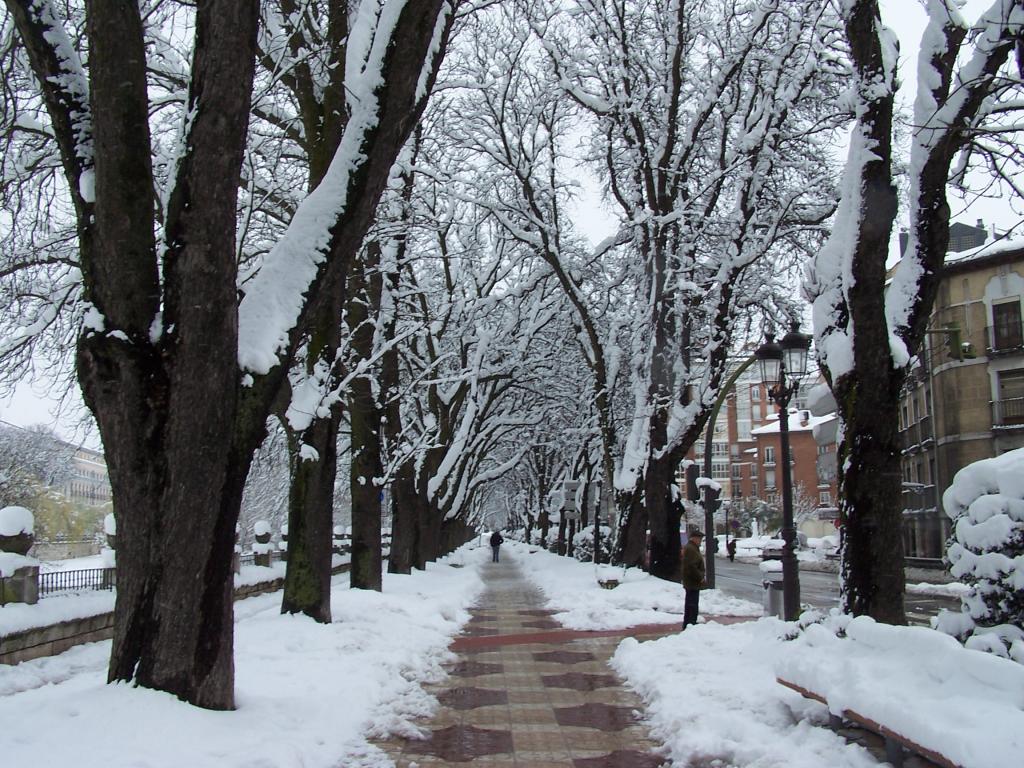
[711, 691]
[572, 590]
[307, 695]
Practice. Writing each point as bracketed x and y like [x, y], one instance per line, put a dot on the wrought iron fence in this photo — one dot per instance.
[89, 579]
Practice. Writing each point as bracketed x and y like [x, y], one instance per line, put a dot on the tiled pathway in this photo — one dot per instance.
[527, 693]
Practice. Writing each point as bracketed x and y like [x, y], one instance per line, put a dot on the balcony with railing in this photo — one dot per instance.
[1008, 413]
[918, 498]
[917, 436]
[1005, 338]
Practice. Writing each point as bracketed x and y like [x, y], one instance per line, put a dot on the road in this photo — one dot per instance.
[818, 589]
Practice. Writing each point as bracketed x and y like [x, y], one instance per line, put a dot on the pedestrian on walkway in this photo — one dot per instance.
[693, 576]
[731, 549]
[495, 546]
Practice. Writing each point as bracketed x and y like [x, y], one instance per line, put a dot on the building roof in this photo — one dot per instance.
[797, 423]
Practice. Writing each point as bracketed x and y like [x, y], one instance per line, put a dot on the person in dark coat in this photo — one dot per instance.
[495, 545]
[731, 549]
[693, 577]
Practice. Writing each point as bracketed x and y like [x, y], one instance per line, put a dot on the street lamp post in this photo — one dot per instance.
[782, 366]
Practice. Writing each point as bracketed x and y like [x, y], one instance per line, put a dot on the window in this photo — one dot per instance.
[769, 455]
[1006, 327]
[737, 471]
[904, 417]
[825, 498]
[769, 478]
[719, 470]
[753, 469]
[753, 488]
[915, 403]
[755, 394]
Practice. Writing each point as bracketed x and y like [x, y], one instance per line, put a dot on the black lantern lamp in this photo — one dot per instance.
[794, 348]
[769, 361]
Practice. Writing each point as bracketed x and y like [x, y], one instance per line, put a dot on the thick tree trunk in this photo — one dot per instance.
[404, 521]
[167, 417]
[307, 582]
[663, 520]
[365, 421]
[867, 396]
[632, 535]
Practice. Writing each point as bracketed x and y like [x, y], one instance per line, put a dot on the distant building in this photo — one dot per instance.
[745, 449]
[89, 483]
[962, 237]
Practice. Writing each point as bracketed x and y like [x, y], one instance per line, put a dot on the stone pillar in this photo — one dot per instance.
[262, 548]
[19, 574]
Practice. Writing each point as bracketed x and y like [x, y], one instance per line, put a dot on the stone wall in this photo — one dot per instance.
[38, 642]
[64, 550]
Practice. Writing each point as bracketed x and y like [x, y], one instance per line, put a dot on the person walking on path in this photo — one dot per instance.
[693, 577]
[731, 549]
[495, 546]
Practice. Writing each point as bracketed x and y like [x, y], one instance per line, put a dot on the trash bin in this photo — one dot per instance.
[773, 603]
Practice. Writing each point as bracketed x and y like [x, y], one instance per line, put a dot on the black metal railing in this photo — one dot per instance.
[86, 580]
[1008, 413]
[918, 497]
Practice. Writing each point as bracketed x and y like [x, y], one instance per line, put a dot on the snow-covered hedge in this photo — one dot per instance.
[986, 503]
[583, 544]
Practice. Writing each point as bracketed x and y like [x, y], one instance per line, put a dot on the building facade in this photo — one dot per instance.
[745, 451]
[964, 399]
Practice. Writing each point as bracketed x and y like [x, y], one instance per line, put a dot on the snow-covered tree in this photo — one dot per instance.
[868, 327]
[986, 504]
[179, 374]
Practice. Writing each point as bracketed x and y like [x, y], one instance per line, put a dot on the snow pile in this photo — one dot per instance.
[110, 525]
[924, 685]
[10, 562]
[15, 521]
[307, 694]
[572, 590]
[712, 698]
[986, 502]
[261, 528]
[262, 549]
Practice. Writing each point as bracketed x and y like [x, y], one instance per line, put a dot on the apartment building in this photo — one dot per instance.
[964, 400]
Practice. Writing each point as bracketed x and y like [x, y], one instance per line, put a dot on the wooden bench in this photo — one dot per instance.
[895, 743]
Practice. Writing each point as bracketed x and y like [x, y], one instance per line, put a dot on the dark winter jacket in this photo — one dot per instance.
[693, 567]
[496, 539]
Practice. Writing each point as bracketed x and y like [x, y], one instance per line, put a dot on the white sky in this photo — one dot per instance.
[31, 403]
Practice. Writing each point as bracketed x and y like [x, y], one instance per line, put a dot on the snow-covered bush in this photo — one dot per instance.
[583, 544]
[986, 552]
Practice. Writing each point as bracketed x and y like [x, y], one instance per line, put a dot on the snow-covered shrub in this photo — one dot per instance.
[986, 552]
[583, 544]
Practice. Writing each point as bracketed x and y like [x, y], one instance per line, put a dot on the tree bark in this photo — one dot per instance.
[365, 420]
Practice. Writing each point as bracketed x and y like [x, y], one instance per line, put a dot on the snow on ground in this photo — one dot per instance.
[307, 695]
[572, 590]
[711, 695]
[952, 589]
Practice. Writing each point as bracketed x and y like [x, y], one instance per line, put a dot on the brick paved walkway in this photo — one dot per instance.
[529, 694]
